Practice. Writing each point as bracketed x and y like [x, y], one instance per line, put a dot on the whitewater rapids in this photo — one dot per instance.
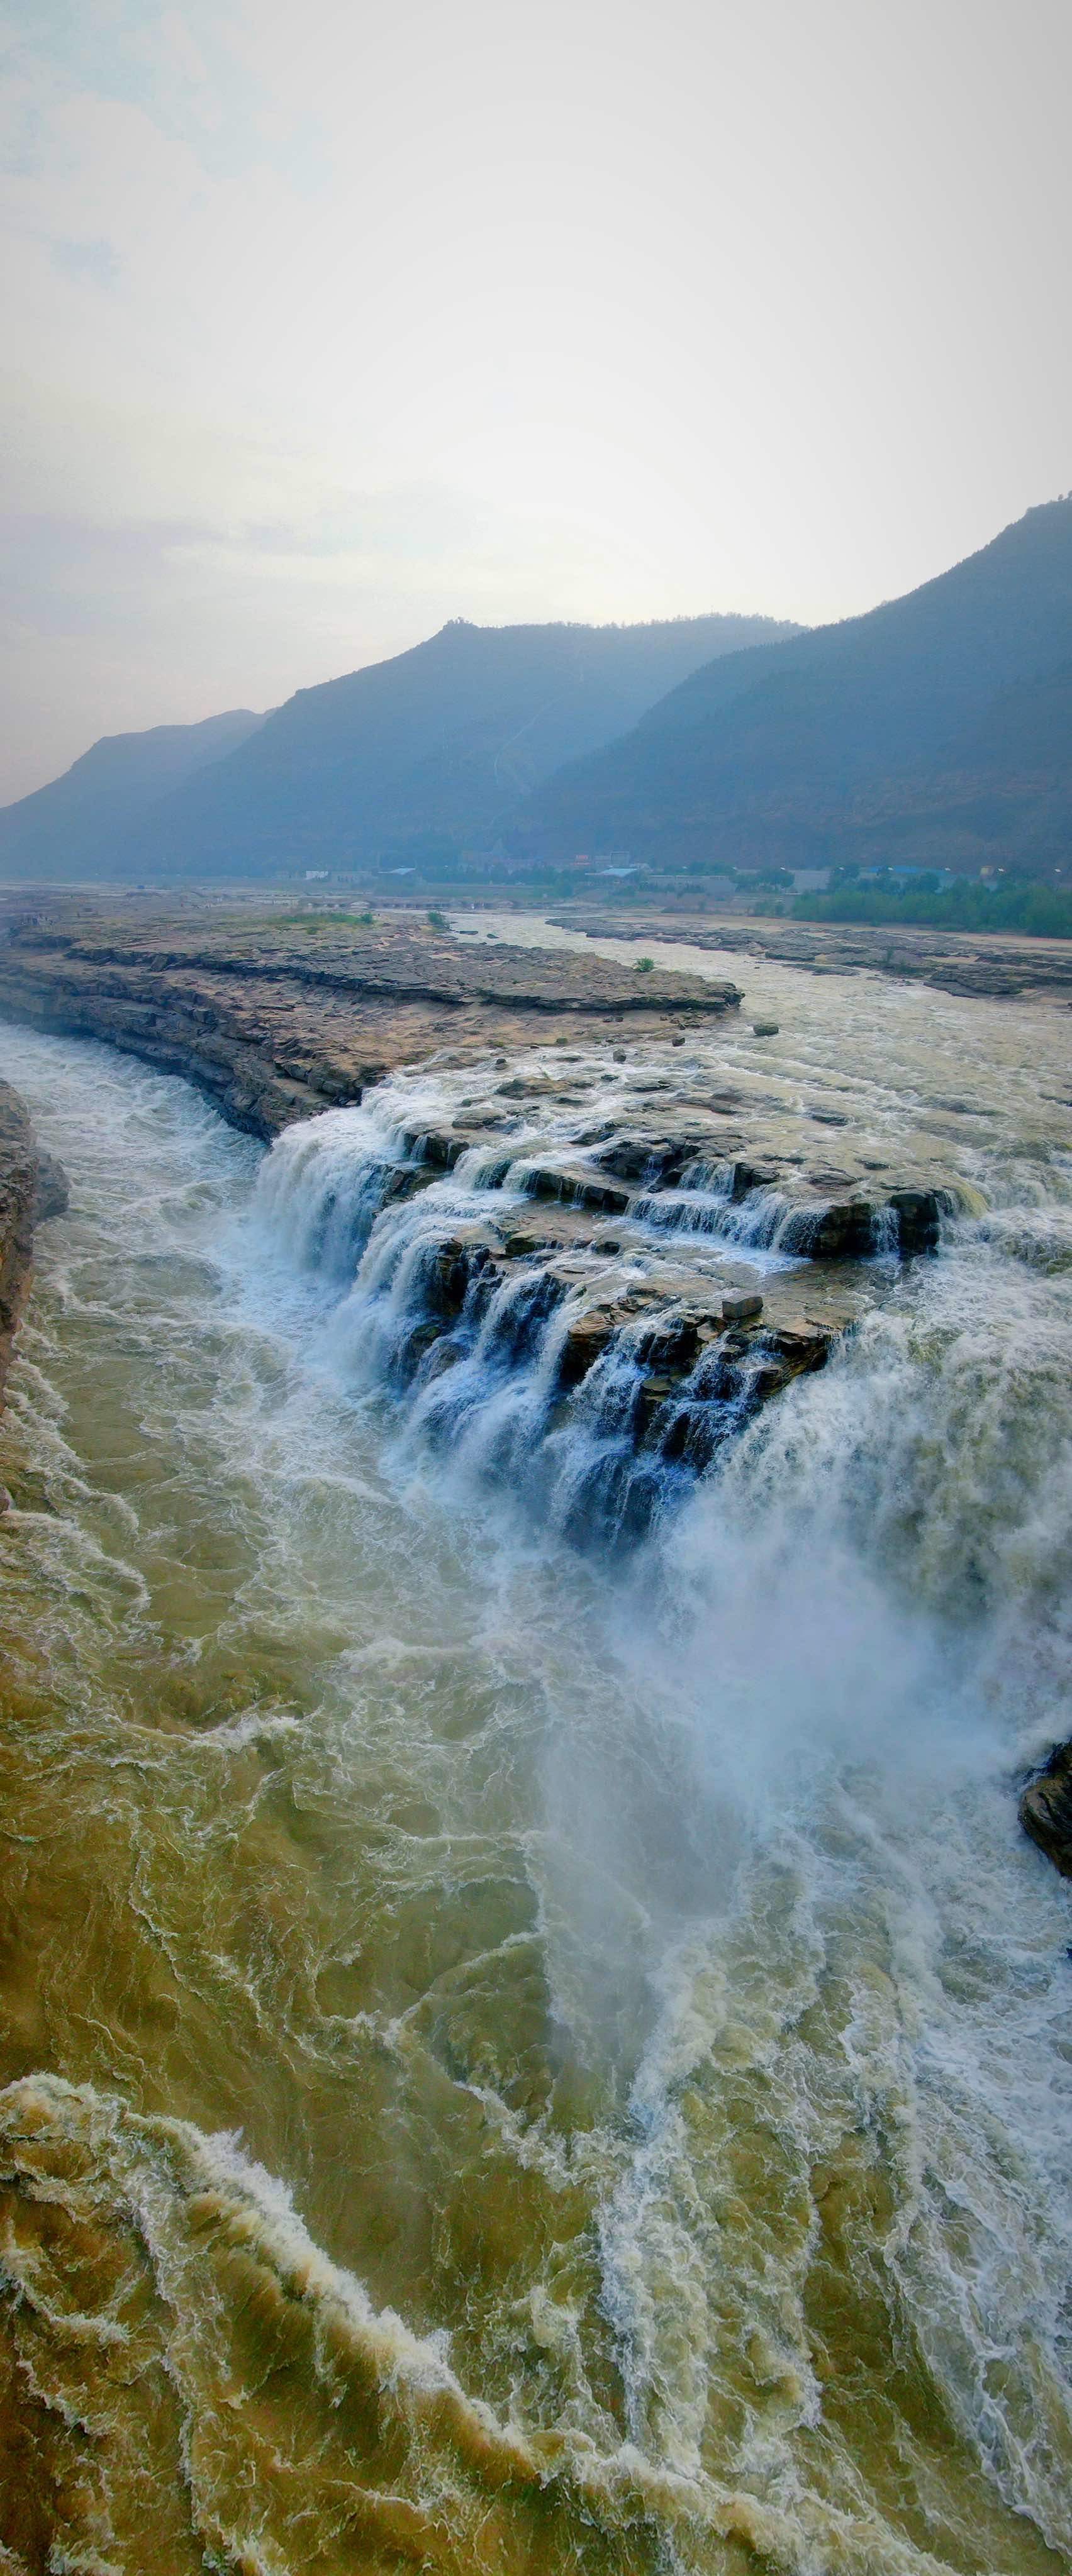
[513, 2060]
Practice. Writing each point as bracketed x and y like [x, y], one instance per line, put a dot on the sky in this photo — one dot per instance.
[326, 322]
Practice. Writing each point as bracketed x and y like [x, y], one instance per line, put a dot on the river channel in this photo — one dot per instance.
[517, 2057]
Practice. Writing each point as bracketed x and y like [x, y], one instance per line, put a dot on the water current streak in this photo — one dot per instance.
[513, 2060]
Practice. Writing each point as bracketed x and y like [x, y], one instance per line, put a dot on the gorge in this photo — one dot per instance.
[521, 2054]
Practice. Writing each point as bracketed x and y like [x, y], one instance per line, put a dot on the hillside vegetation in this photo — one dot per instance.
[1017, 903]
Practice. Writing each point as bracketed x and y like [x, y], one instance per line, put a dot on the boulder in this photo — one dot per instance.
[453, 1264]
[52, 1196]
[652, 1393]
[653, 1161]
[439, 1147]
[843, 1232]
[746, 1177]
[588, 1335]
[918, 1213]
[575, 1186]
[672, 1342]
[741, 1310]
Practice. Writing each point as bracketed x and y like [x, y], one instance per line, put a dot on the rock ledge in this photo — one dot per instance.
[1046, 1809]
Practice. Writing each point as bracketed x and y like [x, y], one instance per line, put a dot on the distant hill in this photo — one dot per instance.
[436, 747]
[935, 729]
[77, 826]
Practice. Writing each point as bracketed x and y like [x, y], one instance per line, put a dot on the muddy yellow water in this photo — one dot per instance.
[512, 2061]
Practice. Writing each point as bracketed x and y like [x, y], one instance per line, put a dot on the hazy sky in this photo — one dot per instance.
[324, 322]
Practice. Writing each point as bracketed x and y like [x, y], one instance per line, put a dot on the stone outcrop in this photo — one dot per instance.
[676, 1247]
[275, 1022]
[662, 1271]
[52, 1193]
[644, 1379]
[32, 1187]
[749, 1346]
[847, 1214]
[1046, 1809]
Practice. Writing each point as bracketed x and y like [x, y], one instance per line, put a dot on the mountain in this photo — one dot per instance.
[434, 748]
[76, 825]
[934, 728]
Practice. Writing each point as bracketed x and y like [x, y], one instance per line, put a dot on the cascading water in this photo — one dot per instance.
[514, 2059]
[414, 1224]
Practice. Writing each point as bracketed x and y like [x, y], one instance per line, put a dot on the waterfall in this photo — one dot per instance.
[533, 2021]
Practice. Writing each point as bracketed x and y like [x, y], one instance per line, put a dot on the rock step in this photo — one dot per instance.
[893, 1217]
[576, 1184]
[699, 1360]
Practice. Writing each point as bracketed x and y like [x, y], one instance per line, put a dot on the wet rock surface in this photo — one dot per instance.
[1046, 1809]
[709, 1178]
[32, 1187]
[593, 1274]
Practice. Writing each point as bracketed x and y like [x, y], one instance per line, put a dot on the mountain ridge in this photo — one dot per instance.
[108, 788]
[440, 742]
[437, 744]
[933, 729]
[802, 750]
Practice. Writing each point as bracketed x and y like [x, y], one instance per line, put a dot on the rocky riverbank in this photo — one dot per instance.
[596, 1216]
[277, 1020]
[32, 1187]
[986, 966]
[673, 1246]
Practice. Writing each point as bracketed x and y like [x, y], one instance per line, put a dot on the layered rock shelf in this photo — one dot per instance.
[683, 1179]
[276, 1021]
[595, 1273]
[580, 1201]
[985, 965]
[658, 1371]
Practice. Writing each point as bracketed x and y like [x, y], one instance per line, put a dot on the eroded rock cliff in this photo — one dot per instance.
[1046, 1809]
[32, 1187]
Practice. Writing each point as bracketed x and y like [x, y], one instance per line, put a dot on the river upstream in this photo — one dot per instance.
[517, 2058]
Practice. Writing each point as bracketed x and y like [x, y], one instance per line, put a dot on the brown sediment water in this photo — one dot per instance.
[511, 2059]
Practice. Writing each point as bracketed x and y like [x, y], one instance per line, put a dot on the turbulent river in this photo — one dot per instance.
[517, 2058]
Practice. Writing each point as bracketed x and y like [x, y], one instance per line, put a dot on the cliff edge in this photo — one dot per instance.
[32, 1187]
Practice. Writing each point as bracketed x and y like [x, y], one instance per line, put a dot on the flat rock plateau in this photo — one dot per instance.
[987, 966]
[275, 1019]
